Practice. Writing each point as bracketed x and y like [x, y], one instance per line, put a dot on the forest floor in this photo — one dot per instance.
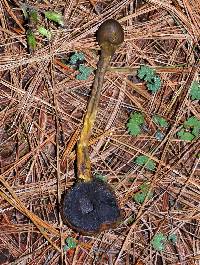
[152, 165]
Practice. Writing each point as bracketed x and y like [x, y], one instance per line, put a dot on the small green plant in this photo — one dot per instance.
[160, 121]
[155, 84]
[33, 16]
[84, 72]
[190, 130]
[55, 17]
[152, 80]
[70, 243]
[192, 122]
[185, 136]
[30, 14]
[146, 73]
[134, 124]
[31, 40]
[143, 160]
[140, 196]
[159, 241]
[195, 90]
[44, 32]
[76, 61]
[172, 238]
[33, 24]
[77, 56]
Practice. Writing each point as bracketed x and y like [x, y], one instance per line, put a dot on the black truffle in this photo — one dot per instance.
[90, 206]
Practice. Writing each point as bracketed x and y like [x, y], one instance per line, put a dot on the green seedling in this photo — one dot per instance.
[140, 196]
[159, 241]
[134, 124]
[30, 14]
[185, 136]
[160, 121]
[172, 238]
[76, 57]
[152, 80]
[70, 243]
[55, 17]
[155, 84]
[190, 130]
[84, 72]
[33, 16]
[76, 61]
[192, 122]
[44, 32]
[31, 40]
[195, 90]
[143, 160]
[146, 73]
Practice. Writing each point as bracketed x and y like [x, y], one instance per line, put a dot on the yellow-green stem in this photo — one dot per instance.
[83, 159]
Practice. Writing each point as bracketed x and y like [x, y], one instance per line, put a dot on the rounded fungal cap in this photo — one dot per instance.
[90, 207]
[110, 33]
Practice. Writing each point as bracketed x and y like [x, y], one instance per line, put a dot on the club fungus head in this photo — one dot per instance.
[91, 207]
[110, 35]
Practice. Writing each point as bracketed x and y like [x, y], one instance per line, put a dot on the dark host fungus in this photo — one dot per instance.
[91, 206]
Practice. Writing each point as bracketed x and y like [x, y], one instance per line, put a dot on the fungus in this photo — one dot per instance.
[91, 206]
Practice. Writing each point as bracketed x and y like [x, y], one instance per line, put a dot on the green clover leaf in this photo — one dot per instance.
[143, 160]
[134, 124]
[158, 242]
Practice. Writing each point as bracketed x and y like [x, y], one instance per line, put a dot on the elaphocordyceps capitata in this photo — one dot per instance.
[91, 206]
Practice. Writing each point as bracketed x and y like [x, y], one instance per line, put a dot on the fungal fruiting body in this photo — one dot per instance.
[109, 36]
[91, 205]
